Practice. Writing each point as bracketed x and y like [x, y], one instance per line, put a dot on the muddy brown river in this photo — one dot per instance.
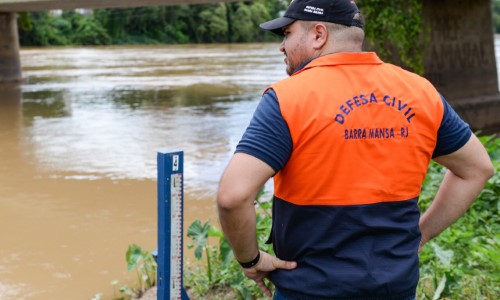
[78, 154]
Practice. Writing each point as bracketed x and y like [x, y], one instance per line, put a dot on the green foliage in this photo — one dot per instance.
[71, 28]
[83, 30]
[42, 32]
[24, 21]
[463, 262]
[200, 235]
[395, 29]
[200, 23]
[221, 271]
[145, 266]
[213, 25]
[496, 15]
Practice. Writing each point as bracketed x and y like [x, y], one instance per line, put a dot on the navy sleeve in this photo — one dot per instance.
[453, 132]
[267, 137]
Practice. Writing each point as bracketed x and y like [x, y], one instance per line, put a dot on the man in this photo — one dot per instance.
[348, 139]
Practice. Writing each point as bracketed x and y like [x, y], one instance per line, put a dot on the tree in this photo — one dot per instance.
[43, 32]
[260, 14]
[213, 24]
[82, 29]
[396, 30]
[243, 30]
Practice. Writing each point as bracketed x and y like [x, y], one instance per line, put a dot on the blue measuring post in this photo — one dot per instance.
[170, 226]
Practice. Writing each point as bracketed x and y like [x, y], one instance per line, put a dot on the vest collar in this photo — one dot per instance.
[341, 58]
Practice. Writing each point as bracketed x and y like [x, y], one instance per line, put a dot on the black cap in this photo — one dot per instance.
[332, 11]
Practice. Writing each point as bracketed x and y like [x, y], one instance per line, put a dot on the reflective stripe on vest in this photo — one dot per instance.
[363, 131]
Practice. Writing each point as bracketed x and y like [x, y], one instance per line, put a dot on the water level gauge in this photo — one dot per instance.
[170, 226]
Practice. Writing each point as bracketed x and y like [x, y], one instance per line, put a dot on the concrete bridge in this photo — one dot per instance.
[43, 5]
[459, 59]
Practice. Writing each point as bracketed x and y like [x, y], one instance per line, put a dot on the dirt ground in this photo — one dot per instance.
[149, 294]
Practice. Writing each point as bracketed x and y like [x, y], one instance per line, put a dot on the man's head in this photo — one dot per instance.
[312, 28]
[342, 12]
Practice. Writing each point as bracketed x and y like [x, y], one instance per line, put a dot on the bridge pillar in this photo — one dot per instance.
[460, 59]
[10, 63]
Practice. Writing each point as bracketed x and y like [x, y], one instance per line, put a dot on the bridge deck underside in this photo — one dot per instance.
[43, 5]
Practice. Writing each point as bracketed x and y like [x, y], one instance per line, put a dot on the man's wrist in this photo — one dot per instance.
[250, 264]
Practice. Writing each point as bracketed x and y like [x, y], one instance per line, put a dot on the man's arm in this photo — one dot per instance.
[240, 183]
[469, 168]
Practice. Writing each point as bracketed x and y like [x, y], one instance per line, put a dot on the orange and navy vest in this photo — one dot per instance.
[345, 205]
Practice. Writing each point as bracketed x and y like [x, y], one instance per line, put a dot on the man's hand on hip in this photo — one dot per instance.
[267, 264]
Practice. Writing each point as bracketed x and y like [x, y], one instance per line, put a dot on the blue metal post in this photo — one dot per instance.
[170, 226]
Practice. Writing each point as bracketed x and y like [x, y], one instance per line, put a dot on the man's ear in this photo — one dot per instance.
[320, 36]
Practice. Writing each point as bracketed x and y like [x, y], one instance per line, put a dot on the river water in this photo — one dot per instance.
[78, 156]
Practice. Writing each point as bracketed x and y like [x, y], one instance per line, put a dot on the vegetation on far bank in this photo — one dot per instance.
[400, 24]
[180, 24]
[234, 22]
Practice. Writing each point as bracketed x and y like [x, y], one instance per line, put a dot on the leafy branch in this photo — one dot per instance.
[395, 29]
